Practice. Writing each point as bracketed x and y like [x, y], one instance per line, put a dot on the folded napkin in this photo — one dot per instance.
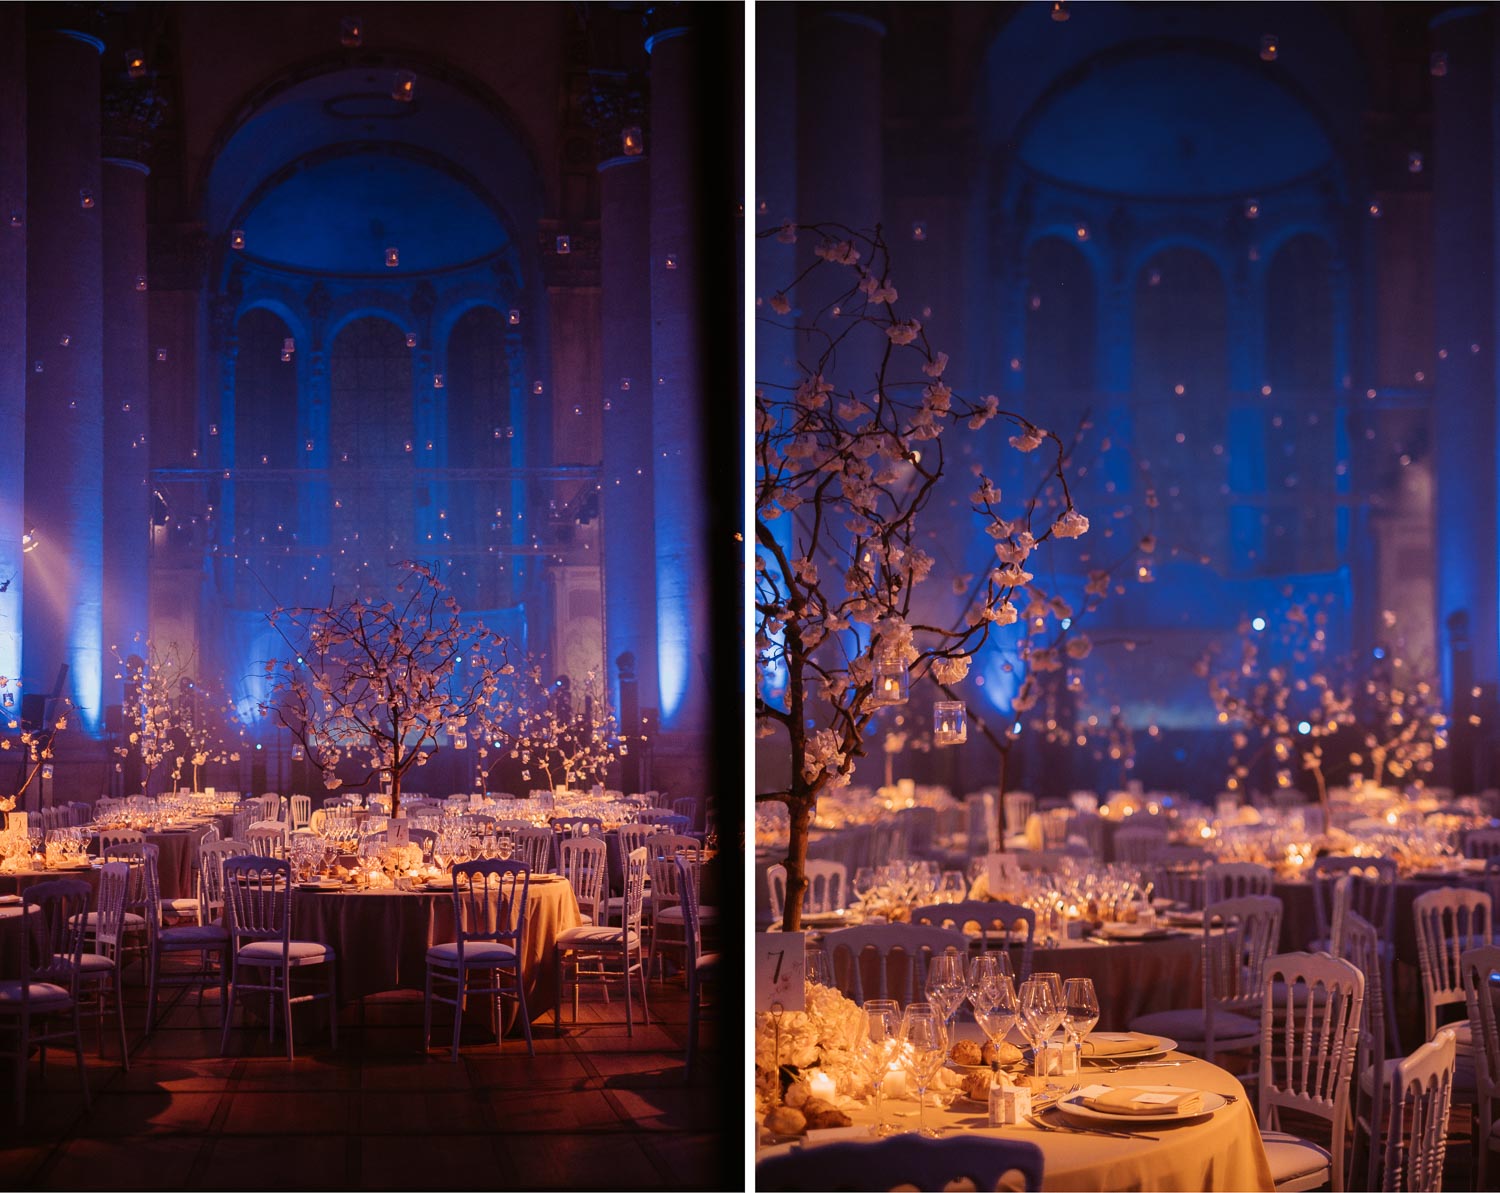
[1126, 1099]
[1113, 1043]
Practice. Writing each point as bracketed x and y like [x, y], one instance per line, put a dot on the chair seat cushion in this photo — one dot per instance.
[674, 915]
[599, 936]
[301, 952]
[185, 936]
[476, 952]
[1292, 1157]
[44, 996]
[132, 920]
[95, 964]
[1190, 1025]
[180, 906]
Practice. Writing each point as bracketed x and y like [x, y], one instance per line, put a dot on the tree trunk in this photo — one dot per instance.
[395, 792]
[801, 807]
[1000, 799]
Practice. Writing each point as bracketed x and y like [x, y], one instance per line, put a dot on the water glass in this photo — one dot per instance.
[924, 1050]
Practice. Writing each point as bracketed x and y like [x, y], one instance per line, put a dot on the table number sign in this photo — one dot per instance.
[780, 971]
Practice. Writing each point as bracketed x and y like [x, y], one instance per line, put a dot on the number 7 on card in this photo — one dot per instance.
[780, 971]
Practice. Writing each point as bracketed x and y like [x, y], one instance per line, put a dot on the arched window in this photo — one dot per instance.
[1181, 396]
[480, 437]
[371, 448]
[1060, 319]
[265, 430]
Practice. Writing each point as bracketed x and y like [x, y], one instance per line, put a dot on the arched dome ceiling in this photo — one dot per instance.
[338, 215]
[1174, 123]
[446, 165]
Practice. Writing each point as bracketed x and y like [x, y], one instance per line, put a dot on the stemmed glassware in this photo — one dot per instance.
[1041, 1015]
[819, 968]
[952, 888]
[880, 1046]
[864, 882]
[1080, 1007]
[924, 1049]
[985, 971]
[999, 1014]
[947, 985]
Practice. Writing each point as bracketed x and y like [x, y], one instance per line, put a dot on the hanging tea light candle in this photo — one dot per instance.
[135, 64]
[298, 753]
[161, 355]
[140, 281]
[404, 87]
[392, 258]
[1414, 162]
[1269, 47]
[1060, 10]
[1437, 65]
[891, 681]
[564, 245]
[237, 239]
[460, 741]
[437, 381]
[85, 198]
[351, 32]
[950, 723]
[536, 387]
[1252, 209]
[411, 339]
[671, 261]
[632, 144]
[514, 318]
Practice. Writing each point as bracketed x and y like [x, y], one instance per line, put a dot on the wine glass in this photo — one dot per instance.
[999, 1014]
[947, 985]
[819, 968]
[1080, 1007]
[924, 1049]
[1041, 1014]
[985, 971]
[881, 1043]
[864, 882]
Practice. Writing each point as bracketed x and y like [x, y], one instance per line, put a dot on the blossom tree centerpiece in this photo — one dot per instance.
[569, 732]
[382, 681]
[172, 721]
[844, 472]
[35, 742]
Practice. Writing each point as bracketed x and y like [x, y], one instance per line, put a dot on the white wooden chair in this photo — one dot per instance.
[584, 862]
[1235, 880]
[699, 965]
[1482, 843]
[1000, 926]
[209, 941]
[827, 888]
[1309, 1037]
[1238, 937]
[534, 846]
[99, 980]
[1139, 845]
[267, 838]
[1416, 1133]
[904, 949]
[1481, 973]
[599, 944]
[1018, 807]
[301, 811]
[1448, 920]
[1359, 944]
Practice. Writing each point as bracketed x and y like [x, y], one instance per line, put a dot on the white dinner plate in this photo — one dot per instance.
[824, 919]
[1077, 1110]
[1114, 931]
[1150, 1046]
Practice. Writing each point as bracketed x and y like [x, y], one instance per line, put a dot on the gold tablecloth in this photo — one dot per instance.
[381, 938]
[1222, 1152]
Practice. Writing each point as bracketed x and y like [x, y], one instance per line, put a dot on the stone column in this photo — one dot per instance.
[625, 389]
[1463, 223]
[678, 400]
[65, 337]
[127, 494]
[13, 356]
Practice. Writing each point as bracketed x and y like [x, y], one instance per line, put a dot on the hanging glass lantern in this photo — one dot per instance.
[950, 723]
[632, 143]
[298, 753]
[891, 682]
[351, 32]
[237, 239]
[1269, 47]
[392, 258]
[1437, 65]
[404, 86]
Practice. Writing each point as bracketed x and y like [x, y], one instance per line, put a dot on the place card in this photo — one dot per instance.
[780, 971]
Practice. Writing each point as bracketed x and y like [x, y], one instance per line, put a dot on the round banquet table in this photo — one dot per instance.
[1131, 978]
[381, 938]
[177, 858]
[16, 881]
[1223, 1151]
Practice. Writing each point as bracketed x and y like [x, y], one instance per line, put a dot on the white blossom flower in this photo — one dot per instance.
[903, 331]
[1071, 525]
[1029, 440]
[951, 671]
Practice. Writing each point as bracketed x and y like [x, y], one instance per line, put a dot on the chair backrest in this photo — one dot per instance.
[1416, 1134]
[257, 899]
[301, 810]
[827, 886]
[1088, 828]
[908, 946]
[687, 806]
[1359, 944]
[1482, 843]
[143, 896]
[1239, 936]
[119, 836]
[890, 841]
[687, 883]
[635, 890]
[54, 925]
[579, 826]
[211, 855]
[489, 901]
[1139, 846]
[1309, 1038]
[241, 821]
[1234, 880]
[1018, 806]
[665, 892]
[109, 925]
[668, 844]
[1000, 925]
[584, 862]
[535, 846]
[1449, 920]
[1481, 975]
[267, 838]
[904, 1161]
[674, 821]
[776, 891]
[1373, 896]
[1181, 884]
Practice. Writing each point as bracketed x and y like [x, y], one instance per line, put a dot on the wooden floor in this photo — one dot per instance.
[594, 1108]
